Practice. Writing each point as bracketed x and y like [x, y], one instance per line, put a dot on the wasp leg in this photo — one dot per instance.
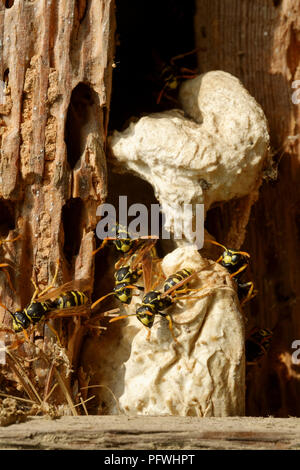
[192, 296]
[148, 334]
[54, 332]
[3, 266]
[25, 335]
[161, 93]
[105, 241]
[36, 290]
[250, 293]
[181, 56]
[168, 317]
[10, 241]
[242, 268]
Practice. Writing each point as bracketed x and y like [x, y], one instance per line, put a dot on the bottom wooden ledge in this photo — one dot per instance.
[150, 433]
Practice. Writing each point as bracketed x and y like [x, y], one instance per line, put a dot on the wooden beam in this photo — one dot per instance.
[152, 433]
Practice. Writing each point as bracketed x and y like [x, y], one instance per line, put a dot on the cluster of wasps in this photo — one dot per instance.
[138, 256]
[175, 288]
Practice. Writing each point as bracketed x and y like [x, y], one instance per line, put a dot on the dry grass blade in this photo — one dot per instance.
[23, 377]
[50, 393]
[25, 400]
[66, 392]
[110, 391]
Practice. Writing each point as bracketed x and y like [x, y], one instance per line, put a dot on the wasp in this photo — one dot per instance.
[257, 344]
[156, 302]
[51, 303]
[172, 74]
[127, 275]
[236, 262]
[125, 279]
[124, 241]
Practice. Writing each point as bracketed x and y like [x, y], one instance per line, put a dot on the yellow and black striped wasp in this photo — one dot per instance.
[236, 262]
[50, 303]
[124, 241]
[257, 344]
[127, 275]
[172, 74]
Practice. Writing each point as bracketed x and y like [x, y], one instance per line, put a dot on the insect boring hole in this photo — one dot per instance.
[7, 217]
[83, 117]
[149, 36]
[72, 217]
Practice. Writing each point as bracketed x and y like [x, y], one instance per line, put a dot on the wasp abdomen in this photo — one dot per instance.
[68, 299]
[174, 279]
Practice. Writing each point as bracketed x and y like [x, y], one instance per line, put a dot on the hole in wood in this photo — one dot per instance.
[137, 79]
[83, 117]
[276, 3]
[6, 76]
[72, 216]
[8, 3]
[7, 217]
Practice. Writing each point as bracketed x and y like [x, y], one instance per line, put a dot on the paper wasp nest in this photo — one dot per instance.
[213, 152]
[203, 375]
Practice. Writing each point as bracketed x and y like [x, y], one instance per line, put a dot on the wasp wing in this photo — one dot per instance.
[179, 284]
[77, 311]
[83, 285]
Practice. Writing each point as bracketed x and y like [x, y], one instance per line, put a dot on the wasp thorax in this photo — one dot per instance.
[155, 300]
[122, 274]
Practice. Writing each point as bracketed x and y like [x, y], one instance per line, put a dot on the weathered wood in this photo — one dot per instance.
[122, 432]
[56, 61]
[259, 43]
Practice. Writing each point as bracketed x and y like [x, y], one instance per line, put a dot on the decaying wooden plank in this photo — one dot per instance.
[56, 66]
[122, 432]
[259, 43]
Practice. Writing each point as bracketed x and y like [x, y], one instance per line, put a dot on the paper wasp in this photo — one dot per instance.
[127, 275]
[156, 302]
[123, 240]
[236, 262]
[257, 344]
[64, 301]
[171, 75]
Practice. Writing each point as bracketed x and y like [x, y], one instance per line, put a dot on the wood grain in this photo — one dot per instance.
[152, 433]
[259, 42]
[56, 61]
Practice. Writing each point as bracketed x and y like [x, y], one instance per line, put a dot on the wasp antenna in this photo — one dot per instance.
[100, 300]
[244, 253]
[120, 317]
[216, 243]
[5, 308]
